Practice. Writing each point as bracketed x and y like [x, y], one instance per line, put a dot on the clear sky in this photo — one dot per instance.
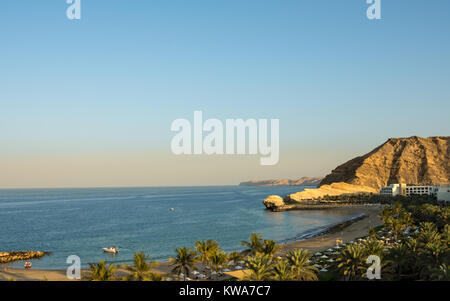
[90, 102]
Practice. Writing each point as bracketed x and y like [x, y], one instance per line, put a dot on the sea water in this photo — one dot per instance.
[83, 221]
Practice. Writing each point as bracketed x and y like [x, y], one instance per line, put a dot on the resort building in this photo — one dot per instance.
[407, 190]
[421, 190]
[393, 190]
[443, 193]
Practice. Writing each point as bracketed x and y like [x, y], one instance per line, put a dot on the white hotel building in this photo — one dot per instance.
[403, 189]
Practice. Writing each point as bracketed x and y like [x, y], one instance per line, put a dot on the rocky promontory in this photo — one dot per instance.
[310, 198]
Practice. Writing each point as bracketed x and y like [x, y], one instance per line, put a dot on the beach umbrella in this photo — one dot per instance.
[317, 266]
[238, 267]
[330, 260]
[214, 273]
[181, 275]
[330, 250]
[318, 254]
[226, 270]
[241, 262]
[337, 247]
[195, 273]
[201, 276]
[324, 270]
[169, 279]
[324, 256]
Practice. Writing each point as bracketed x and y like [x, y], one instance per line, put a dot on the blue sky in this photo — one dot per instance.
[111, 83]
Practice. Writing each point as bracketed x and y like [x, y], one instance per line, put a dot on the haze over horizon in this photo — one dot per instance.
[89, 103]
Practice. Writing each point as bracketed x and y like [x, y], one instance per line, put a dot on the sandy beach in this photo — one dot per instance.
[319, 243]
[355, 230]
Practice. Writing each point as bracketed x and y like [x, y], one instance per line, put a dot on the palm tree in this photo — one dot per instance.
[217, 258]
[254, 244]
[282, 271]
[374, 246]
[102, 271]
[141, 268]
[442, 274]
[351, 262]
[183, 262]
[403, 260]
[235, 257]
[299, 261]
[269, 247]
[259, 268]
[430, 242]
[205, 248]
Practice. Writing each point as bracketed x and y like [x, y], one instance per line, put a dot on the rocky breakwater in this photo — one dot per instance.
[7, 257]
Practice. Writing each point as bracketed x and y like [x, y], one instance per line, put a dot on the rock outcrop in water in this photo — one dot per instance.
[414, 160]
[273, 201]
[305, 181]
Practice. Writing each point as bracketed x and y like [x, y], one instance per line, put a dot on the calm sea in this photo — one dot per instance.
[83, 221]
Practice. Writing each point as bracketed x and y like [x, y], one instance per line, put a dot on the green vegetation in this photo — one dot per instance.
[101, 271]
[141, 268]
[375, 198]
[183, 262]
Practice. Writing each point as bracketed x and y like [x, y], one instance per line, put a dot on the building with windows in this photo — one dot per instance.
[421, 190]
[393, 190]
[407, 190]
[443, 193]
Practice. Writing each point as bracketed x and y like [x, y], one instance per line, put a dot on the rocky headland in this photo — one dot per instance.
[413, 160]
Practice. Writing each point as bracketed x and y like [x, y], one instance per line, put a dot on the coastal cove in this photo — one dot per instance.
[82, 221]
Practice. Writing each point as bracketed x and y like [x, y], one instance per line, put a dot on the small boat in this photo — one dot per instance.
[172, 209]
[111, 249]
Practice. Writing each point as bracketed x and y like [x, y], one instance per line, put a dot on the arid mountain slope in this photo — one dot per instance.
[413, 160]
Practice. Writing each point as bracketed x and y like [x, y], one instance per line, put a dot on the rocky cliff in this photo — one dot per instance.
[305, 181]
[308, 198]
[413, 160]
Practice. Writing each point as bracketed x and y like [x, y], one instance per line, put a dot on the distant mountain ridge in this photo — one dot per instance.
[413, 160]
[304, 181]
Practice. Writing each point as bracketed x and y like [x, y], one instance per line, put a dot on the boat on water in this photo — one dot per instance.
[111, 249]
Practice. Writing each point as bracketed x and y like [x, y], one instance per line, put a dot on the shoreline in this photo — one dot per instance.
[349, 232]
[362, 217]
